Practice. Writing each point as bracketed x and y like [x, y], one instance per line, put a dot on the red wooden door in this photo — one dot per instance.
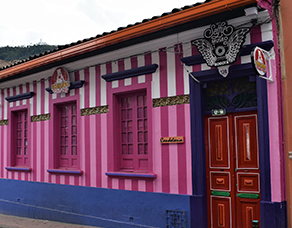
[233, 184]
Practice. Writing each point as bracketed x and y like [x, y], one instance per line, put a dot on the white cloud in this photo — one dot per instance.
[66, 21]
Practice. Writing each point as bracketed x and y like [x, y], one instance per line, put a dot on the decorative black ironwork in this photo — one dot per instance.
[235, 94]
[175, 219]
[222, 44]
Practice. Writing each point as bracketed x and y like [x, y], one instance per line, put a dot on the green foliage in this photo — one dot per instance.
[19, 53]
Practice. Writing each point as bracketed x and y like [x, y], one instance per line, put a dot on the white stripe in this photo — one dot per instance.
[24, 91]
[17, 92]
[92, 89]
[31, 100]
[102, 85]
[141, 62]
[171, 83]
[127, 62]
[115, 68]
[81, 90]
[155, 77]
[142, 185]
[72, 91]
[38, 97]
[5, 106]
[187, 51]
[46, 97]
[11, 94]
[204, 66]
[267, 32]
[245, 59]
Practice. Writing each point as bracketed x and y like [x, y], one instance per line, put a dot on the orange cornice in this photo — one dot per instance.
[181, 17]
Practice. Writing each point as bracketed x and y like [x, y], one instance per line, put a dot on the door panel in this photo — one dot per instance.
[233, 179]
[218, 143]
[220, 207]
[246, 141]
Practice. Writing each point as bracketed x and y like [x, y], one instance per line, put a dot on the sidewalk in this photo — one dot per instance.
[9, 221]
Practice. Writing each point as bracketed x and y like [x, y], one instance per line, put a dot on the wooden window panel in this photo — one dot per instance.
[68, 155]
[134, 132]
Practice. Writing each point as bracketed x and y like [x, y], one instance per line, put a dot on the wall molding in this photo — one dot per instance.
[95, 110]
[168, 101]
[42, 117]
[4, 122]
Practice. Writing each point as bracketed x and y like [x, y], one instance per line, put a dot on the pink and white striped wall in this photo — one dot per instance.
[171, 163]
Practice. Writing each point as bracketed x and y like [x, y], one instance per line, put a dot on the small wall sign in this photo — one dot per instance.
[60, 81]
[259, 61]
[168, 140]
[218, 112]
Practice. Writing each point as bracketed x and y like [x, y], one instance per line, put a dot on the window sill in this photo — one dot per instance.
[132, 175]
[22, 169]
[63, 171]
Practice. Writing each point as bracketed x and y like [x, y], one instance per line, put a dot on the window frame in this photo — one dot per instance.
[54, 161]
[114, 95]
[12, 163]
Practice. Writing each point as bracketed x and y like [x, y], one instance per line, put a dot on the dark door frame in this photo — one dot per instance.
[199, 198]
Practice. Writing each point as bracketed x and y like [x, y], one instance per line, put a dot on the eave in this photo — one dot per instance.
[145, 28]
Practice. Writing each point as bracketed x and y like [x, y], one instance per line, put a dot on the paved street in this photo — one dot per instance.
[8, 221]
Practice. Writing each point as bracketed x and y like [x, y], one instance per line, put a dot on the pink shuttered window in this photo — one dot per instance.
[68, 157]
[20, 142]
[134, 132]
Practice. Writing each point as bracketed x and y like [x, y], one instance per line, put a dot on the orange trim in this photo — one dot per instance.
[194, 13]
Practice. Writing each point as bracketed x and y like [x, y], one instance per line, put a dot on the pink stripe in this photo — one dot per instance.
[163, 73]
[97, 85]
[87, 150]
[173, 156]
[135, 185]
[6, 174]
[38, 151]
[128, 184]
[104, 150]
[86, 88]
[188, 149]
[99, 131]
[157, 155]
[46, 151]
[165, 151]
[115, 183]
[2, 102]
[142, 185]
[149, 186]
[182, 159]
[109, 146]
[179, 71]
[35, 134]
[148, 61]
[121, 183]
[20, 92]
[66, 179]
[256, 35]
[134, 64]
[93, 150]
[121, 67]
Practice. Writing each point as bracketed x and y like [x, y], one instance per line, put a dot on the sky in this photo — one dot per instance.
[58, 22]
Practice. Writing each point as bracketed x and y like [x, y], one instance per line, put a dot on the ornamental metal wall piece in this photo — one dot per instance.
[221, 44]
[4, 122]
[95, 110]
[168, 101]
[42, 117]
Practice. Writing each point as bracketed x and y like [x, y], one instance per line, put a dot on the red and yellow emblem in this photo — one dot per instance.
[60, 81]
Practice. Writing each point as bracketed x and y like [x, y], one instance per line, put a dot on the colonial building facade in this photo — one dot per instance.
[164, 123]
